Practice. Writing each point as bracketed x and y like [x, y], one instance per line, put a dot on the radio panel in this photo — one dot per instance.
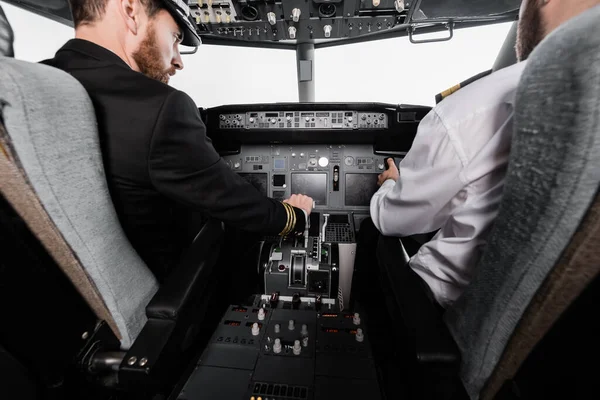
[304, 120]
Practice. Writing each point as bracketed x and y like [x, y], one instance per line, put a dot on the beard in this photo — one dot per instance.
[530, 31]
[148, 58]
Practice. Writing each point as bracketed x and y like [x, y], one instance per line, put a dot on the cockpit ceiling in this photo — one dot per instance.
[284, 24]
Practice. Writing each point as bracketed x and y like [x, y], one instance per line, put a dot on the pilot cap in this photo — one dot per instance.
[182, 14]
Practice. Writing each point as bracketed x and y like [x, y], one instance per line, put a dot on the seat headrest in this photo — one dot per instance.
[552, 178]
[6, 36]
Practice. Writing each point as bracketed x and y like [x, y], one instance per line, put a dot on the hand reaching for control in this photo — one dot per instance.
[391, 172]
[301, 201]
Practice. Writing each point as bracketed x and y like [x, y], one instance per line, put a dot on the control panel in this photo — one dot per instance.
[254, 20]
[338, 120]
[337, 177]
[280, 347]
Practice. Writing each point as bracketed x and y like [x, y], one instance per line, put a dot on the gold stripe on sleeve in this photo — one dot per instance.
[286, 228]
[293, 212]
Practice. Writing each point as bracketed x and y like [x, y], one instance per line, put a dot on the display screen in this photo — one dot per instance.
[312, 185]
[259, 181]
[359, 189]
[279, 163]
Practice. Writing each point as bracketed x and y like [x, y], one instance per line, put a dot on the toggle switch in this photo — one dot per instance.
[271, 18]
[291, 325]
[296, 14]
[255, 329]
[356, 319]
[277, 328]
[305, 342]
[304, 331]
[327, 30]
[261, 314]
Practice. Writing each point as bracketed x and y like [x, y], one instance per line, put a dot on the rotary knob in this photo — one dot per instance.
[349, 161]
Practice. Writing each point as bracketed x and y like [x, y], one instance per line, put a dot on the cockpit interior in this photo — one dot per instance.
[83, 317]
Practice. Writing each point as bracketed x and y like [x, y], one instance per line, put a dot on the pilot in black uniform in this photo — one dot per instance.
[161, 167]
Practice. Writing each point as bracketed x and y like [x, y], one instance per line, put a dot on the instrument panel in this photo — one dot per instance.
[337, 177]
[337, 120]
[302, 21]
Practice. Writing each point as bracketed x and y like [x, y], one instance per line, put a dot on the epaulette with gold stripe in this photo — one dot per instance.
[441, 96]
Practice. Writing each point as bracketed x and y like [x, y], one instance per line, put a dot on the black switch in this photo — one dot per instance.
[318, 303]
[296, 301]
[274, 299]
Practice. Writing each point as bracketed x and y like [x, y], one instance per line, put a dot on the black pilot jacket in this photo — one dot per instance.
[161, 168]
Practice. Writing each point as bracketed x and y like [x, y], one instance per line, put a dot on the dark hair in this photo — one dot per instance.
[89, 11]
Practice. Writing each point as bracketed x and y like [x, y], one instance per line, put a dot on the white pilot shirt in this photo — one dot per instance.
[452, 180]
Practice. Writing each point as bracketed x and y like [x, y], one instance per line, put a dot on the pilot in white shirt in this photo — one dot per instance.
[452, 180]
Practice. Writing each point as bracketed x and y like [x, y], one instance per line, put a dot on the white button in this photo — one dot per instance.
[304, 330]
[297, 349]
[277, 346]
[323, 162]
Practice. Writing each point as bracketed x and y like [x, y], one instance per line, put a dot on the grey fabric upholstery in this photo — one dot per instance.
[51, 125]
[553, 176]
[6, 36]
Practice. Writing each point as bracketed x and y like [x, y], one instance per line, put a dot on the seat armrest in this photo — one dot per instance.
[191, 275]
[176, 315]
[422, 317]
